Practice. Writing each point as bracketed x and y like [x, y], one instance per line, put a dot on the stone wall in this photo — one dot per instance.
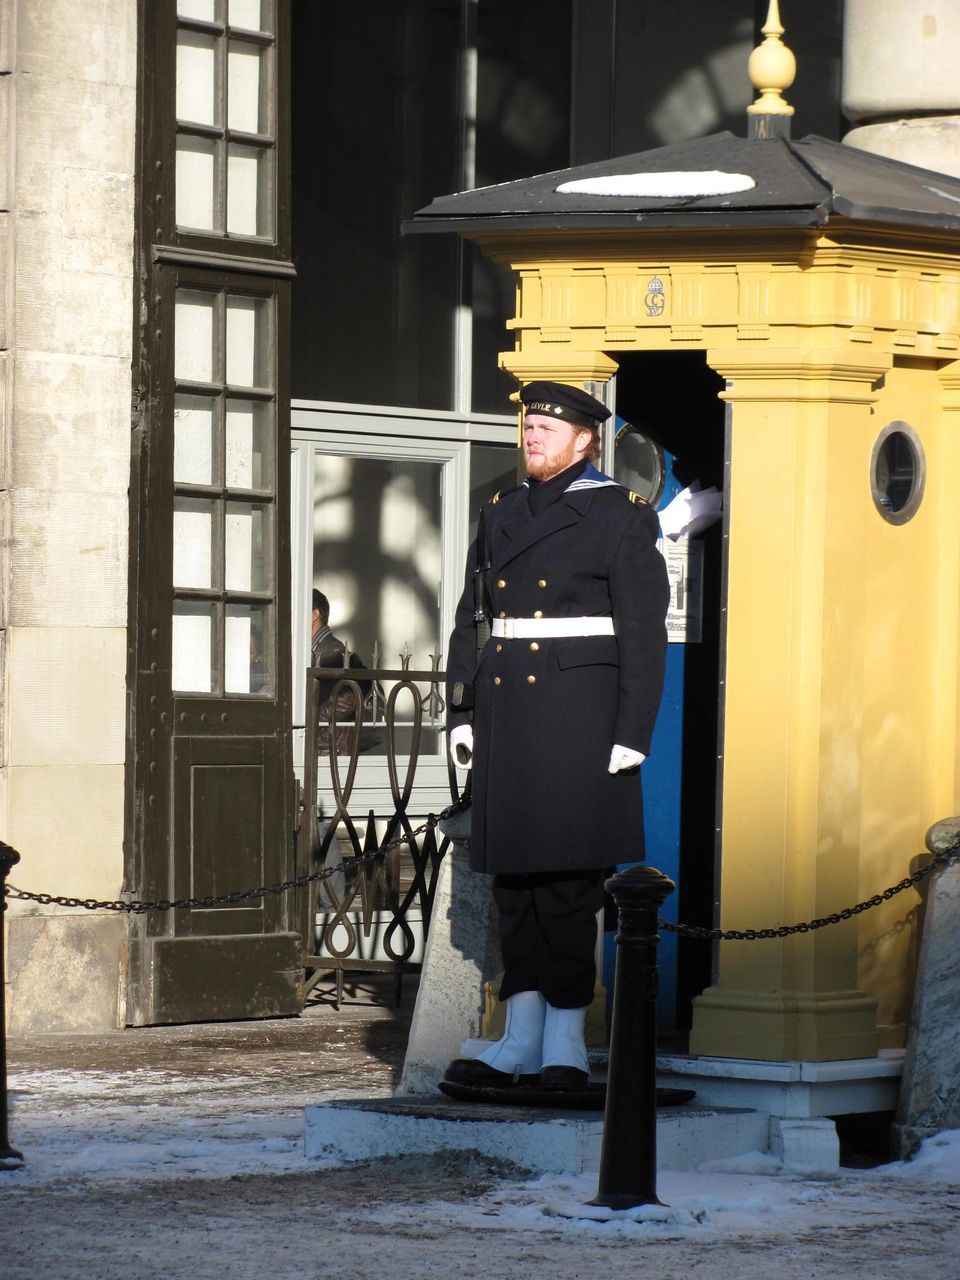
[67, 118]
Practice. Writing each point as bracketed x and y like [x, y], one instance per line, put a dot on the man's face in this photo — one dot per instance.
[550, 445]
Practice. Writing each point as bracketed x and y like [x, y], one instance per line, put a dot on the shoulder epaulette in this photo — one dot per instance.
[637, 498]
[502, 493]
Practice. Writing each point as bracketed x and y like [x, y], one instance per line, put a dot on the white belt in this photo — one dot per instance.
[549, 628]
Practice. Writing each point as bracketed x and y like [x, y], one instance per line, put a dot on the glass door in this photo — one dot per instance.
[381, 525]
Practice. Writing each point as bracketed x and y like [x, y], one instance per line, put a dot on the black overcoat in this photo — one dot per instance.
[548, 711]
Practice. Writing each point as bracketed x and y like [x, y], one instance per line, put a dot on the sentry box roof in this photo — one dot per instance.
[717, 181]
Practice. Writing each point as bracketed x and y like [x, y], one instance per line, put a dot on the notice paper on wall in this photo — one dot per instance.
[685, 572]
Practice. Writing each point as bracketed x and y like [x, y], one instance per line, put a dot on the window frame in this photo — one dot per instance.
[223, 285]
[443, 437]
[184, 244]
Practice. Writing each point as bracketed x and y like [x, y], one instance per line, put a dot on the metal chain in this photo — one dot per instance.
[936, 863]
[138, 907]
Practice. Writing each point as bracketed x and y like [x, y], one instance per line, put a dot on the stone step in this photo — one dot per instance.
[539, 1139]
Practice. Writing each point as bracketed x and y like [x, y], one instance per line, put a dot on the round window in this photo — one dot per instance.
[897, 472]
[638, 463]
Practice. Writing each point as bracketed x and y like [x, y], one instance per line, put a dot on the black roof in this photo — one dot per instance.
[788, 184]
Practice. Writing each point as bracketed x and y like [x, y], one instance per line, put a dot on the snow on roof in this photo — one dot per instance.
[676, 184]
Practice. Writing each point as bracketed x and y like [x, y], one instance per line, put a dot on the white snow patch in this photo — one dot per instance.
[673, 185]
[945, 195]
[938, 1160]
[84, 1129]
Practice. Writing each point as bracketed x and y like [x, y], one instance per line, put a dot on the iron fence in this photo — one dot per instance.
[372, 912]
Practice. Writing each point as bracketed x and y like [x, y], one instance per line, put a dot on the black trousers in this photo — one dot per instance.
[548, 934]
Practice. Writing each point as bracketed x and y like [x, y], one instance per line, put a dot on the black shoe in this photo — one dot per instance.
[473, 1071]
[569, 1078]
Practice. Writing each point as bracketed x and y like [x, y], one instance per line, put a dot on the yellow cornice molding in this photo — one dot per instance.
[949, 376]
[574, 365]
[744, 362]
[788, 376]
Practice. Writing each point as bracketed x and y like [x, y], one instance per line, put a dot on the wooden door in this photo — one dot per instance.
[209, 777]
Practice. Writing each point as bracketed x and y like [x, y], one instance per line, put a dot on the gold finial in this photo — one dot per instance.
[772, 68]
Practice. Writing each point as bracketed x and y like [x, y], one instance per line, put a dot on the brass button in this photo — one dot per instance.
[496, 679]
[499, 648]
[501, 582]
[502, 613]
[542, 582]
[534, 648]
[531, 679]
[538, 613]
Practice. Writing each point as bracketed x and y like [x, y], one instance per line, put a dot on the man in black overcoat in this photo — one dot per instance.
[565, 694]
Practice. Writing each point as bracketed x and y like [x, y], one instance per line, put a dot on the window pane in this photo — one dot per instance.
[249, 436]
[492, 467]
[193, 531]
[376, 553]
[193, 344]
[193, 440]
[246, 102]
[196, 183]
[245, 532]
[245, 13]
[196, 78]
[247, 656]
[248, 210]
[192, 664]
[246, 342]
[205, 10]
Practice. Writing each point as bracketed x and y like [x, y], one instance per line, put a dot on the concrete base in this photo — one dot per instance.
[67, 973]
[929, 142]
[793, 1090]
[810, 1146]
[541, 1141]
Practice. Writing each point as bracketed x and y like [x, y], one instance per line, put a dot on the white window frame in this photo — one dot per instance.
[386, 432]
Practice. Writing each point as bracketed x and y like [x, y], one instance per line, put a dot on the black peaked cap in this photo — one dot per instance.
[558, 400]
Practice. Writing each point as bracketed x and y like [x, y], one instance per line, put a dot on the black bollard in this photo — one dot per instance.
[10, 1158]
[628, 1159]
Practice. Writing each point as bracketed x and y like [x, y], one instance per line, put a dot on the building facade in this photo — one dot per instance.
[228, 380]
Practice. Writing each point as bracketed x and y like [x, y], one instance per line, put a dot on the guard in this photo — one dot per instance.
[555, 715]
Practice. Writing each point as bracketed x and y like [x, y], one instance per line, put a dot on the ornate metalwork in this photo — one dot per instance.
[373, 914]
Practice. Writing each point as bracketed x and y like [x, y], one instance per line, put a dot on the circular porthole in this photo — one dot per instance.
[638, 463]
[897, 472]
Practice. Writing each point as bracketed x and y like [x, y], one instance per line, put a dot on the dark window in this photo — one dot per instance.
[898, 473]
[376, 91]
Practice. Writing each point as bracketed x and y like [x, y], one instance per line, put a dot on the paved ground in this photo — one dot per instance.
[166, 1152]
[279, 1063]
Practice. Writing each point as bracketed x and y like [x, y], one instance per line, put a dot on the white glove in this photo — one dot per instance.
[622, 758]
[461, 746]
[690, 512]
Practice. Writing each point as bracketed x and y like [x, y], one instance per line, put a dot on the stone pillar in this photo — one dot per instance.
[462, 955]
[901, 86]
[68, 99]
[793, 697]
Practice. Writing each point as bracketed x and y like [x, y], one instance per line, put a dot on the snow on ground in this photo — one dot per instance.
[158, 1173]
[157, 1153]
